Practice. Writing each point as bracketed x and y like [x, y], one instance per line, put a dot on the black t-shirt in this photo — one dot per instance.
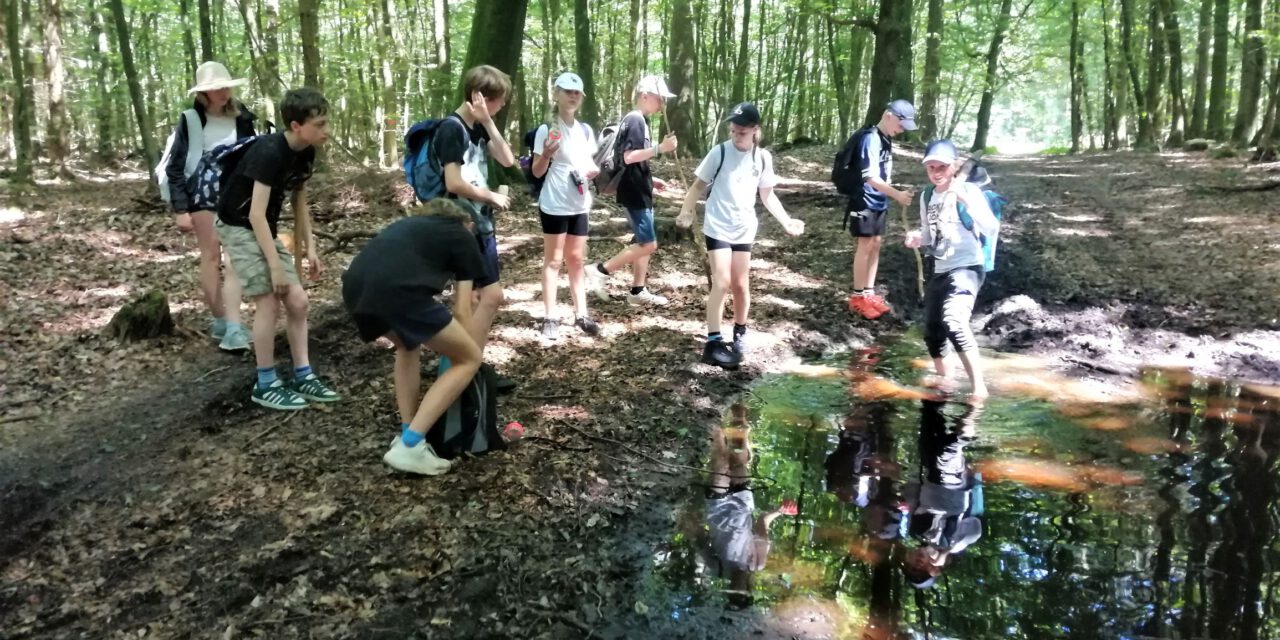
[272, 162]
[409, 263]
[465, 146]
[635, 190]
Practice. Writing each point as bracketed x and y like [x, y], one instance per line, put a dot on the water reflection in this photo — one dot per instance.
[1155, 516]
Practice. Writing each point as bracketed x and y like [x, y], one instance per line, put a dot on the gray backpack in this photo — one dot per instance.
[195, 149]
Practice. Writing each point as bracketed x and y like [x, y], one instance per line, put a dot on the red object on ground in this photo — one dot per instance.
[513, 431]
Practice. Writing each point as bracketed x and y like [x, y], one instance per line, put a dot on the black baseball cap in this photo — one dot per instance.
[745, 115]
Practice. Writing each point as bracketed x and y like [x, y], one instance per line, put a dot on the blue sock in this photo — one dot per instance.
[266, 376]
[714, 336]
[301, 372]
[404, 426]
[219, 325]
[410, 438]
[444, 365]
[233, 326]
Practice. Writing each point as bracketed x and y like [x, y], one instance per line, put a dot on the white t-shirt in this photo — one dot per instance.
[731, 203]
[560, 196]
[944, 235]
[218, 130]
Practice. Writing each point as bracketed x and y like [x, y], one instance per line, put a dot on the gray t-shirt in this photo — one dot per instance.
[944, 235]
[731, 203]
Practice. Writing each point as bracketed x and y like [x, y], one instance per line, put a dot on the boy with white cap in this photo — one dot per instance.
[635, 193]
[563, 155]
[868, 209]
[958, 270]
[736, 170]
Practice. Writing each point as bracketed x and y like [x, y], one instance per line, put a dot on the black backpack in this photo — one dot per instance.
[526, 161]
[471, 423]
[844, 172]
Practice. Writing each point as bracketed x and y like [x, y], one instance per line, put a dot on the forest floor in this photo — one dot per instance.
[141, 493]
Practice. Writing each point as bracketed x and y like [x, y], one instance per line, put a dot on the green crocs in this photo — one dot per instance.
[278, 396]
[314, 389]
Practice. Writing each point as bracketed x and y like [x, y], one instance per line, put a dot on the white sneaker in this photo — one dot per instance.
[421, 459]
[597, 283]
[646, 297]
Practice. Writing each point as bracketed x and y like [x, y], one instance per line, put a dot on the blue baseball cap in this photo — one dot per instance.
[906, 113]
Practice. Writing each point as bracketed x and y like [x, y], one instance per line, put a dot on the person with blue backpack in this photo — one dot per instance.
[251, 198]
[563, 159]
[215, 118]
[959, 229]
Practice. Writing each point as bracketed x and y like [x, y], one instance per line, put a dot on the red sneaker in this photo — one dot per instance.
[862, 305]
[878, 303]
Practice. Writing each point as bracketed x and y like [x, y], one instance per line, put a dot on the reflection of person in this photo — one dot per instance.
[853, 467]
[946, 500]
[739, 539]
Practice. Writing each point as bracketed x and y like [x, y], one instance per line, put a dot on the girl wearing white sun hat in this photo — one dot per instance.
[214, 118]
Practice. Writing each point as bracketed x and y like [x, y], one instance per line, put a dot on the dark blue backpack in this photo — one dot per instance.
[422, 168]
[997, 202]
[205, 183]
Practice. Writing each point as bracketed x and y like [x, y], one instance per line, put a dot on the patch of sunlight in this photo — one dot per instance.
[1036, 472]
[680, 280]
[1229, 220]
[791, 279]
[576, 413]
[510, 242]
[119, 291]
[86, 321]
[689, 327]
[11, 214]
[758, 263]
[522, 292]
[1075, 218]
[780, 302]
[1086, 233]
[499, 353]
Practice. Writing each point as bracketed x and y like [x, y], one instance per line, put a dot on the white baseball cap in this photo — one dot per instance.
[655, 85]
[569, 81]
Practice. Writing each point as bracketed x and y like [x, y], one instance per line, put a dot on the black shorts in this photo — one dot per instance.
[575, 225]
[713, 244]
[867, 224]
[489, 250]
[413, 328]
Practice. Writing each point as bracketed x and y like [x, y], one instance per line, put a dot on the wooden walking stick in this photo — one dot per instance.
[906, 228]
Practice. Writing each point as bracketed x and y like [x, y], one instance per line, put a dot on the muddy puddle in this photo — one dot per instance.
[843, 500]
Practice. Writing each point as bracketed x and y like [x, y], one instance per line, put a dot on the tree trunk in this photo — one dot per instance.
[269, 20]
[1177, 98]
[890, 77]
[1155, 79]
[1076, 69]
[1200, 93]
[491, 42]
[188, 41]
[100, 54]
[740, 69]
[1131, 64]
[838, 79]
[682, 59]
[989, 85]
[1253, 63]
[585, 49]
[386, 111]
[309, 26]
[58, 146]
[1216, 122]
[636, 37]
[206, 31]
[135, 87]
[444, 70]
[930, 90]
[23, 104]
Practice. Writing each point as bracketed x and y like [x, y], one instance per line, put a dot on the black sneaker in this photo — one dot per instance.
[587, 325]
[550, 329]
[721, 354]
[502, 384]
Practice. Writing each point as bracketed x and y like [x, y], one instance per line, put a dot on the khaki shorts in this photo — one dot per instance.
[248, 261]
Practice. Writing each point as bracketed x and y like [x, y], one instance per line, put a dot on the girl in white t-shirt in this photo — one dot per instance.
[736, 170]
[563, 153]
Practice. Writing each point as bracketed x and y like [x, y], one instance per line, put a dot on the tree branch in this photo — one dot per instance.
[866, 23]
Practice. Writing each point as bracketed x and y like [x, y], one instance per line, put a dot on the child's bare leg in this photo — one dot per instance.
[295, 307]
[266, 308]
[454, 343]
[973, 366]
[408, 378]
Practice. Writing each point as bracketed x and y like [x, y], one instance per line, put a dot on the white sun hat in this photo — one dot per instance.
[212, 76]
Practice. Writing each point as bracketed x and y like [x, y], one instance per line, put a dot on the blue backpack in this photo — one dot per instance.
[997, 202]
[205, 183]
[422, 168]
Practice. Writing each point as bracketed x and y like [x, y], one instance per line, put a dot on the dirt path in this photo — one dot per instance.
[156, 497]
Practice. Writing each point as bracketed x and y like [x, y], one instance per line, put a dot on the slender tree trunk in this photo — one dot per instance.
[386, 110]
[1177, 97]
[682, 59]
[1200, 91]
[586, 59]
[206, 31]
[636, 37]
[930, 90]
[188, 41]
[1217, 119]
[838, 79]
[1267, 134]
[1145, 138]
[989, 85]
[269, 17]
[1076, 69]
[740, 69]
[135, 87]
[58, 147]
[1253, 63]
[309, 27]
[890, 77]
[444, 70]
[100, 54]
[1155, 78]
[23, 104]
[1109, 112]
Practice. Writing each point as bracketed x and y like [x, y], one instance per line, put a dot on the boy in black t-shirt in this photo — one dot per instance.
[390, 290]
[463, 145]
[248, 215]
[635, 193]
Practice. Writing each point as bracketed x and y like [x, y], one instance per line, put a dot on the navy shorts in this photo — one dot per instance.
[867, 224]
[713, 244]
[642, 226]
[413, 328]
[489, 250]
[575, 225]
